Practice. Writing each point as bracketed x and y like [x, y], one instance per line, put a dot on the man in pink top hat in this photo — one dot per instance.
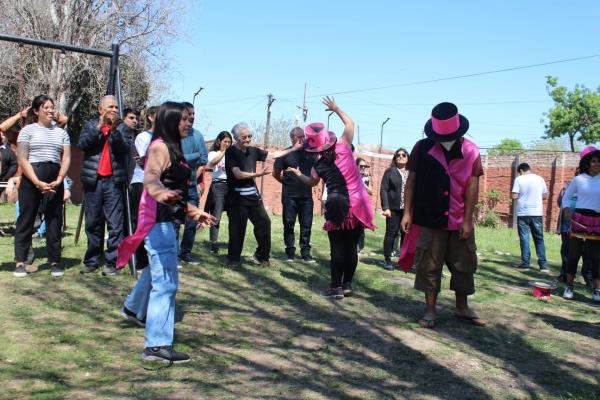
[441, 192]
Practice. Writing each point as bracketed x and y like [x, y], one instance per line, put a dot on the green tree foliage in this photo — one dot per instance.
[575, 114]
[506, 147]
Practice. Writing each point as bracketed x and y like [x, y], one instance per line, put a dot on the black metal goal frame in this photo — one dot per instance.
[113, 88]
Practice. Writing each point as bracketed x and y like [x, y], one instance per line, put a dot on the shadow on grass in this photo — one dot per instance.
[263, 333]
[564, 324]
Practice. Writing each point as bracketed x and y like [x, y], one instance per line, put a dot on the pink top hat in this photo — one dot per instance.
[446, 124]
[318, 138]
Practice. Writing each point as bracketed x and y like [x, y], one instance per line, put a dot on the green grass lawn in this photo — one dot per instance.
[267, 334]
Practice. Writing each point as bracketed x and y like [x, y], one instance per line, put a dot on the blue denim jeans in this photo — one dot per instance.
[153, 296]
[536, 226]
[189, 230]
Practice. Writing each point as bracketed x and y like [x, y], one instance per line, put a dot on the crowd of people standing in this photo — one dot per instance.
[427, 198]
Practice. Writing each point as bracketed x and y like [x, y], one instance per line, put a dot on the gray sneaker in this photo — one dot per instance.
[56, 271]
[88, 269]
[165, 354]
[109, 271]
[20, 271]
[568, 293]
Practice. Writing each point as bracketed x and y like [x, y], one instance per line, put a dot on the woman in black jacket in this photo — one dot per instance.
[392, 202]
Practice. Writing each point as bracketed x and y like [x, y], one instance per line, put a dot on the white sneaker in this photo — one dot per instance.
[596, 296]
[568, 293]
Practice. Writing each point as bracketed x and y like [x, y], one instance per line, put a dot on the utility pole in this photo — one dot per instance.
[304, 108]
[381, 136]
[270, 101]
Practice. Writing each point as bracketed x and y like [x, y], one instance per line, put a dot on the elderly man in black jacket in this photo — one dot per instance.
[106, 143]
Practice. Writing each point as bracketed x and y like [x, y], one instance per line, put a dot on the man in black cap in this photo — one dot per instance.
[441, 191]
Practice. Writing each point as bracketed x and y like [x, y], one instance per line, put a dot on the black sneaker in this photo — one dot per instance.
[308, 259]
[388, 265]
[522, 266]
[214, 248]
[130, 316]
[164, 354]
[233, 264]
[347, 289]
[109, 271]
[188, 259]
[333, 293]
[20, 271]
[88, 269]
[56, 270]
[544, 269]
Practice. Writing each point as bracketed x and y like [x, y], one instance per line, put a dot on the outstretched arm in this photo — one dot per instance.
[348, 135]
[307, 180]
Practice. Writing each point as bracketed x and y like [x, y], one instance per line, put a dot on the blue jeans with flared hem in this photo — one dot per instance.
[534, 225]
[153, 296]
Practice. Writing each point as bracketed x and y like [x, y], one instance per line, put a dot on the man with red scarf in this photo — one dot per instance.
[106, 143]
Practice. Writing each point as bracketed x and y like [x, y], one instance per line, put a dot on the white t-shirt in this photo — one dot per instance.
[142, 141]
[587, 190]
[531, 188]
[219, 169]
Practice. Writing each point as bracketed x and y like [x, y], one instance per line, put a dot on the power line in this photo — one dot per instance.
[496, 71]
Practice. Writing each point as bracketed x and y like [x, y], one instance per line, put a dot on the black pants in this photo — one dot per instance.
[103, 203]
[577, 248]
[392, 231]
[215, 204]
[238, 219]
[51, 204]
[303, 209]
[344, 257]
[565, 243]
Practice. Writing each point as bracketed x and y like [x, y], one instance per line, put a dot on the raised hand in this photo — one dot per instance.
[203, 219]
[330, 104]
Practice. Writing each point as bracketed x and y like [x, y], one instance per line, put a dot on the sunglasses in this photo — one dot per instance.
[363, 166]
[401, 155]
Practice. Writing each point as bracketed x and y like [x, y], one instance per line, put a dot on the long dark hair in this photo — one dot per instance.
[393, 164]
[166, 127]
[37, 102]
[585, 162]
[217, 143]
[150, 111]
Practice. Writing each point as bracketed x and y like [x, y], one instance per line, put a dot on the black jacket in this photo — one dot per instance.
[391, 189]
[91, 142]
[9, 164]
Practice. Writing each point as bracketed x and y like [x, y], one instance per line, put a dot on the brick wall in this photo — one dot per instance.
[556, 169]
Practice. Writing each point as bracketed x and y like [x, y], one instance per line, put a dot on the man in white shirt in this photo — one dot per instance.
[529, 191]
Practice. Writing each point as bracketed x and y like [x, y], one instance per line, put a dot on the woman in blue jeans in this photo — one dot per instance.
[151, 303]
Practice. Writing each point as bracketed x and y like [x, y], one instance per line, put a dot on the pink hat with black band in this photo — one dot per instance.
[446, 124]
[318, 138]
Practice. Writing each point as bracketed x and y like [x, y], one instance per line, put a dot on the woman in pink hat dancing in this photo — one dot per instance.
[585, 223]
[347, 210]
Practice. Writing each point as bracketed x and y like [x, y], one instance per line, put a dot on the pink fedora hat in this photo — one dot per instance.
[587, 151]
[318, 138]
[446, 123]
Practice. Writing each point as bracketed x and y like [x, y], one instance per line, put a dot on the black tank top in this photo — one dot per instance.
[176, 177]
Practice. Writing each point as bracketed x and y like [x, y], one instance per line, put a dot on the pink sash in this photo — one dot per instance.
[146, 221]
[408, 249]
